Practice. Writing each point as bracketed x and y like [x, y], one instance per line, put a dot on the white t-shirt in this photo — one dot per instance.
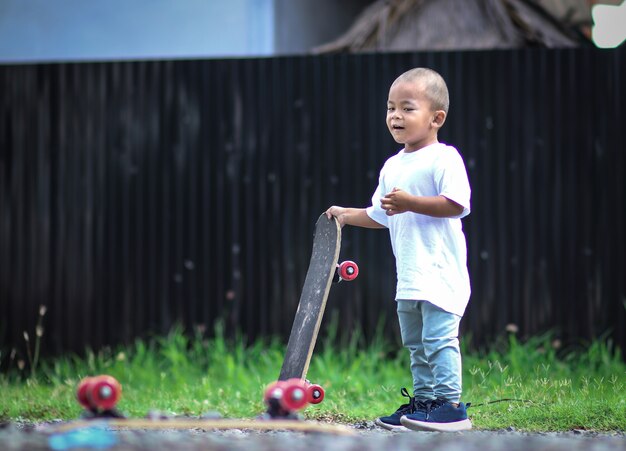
[431, 253]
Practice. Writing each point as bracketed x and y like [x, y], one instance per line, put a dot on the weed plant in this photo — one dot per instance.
[532, 385]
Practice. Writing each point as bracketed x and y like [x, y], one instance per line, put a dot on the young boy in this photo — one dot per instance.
[422, 194]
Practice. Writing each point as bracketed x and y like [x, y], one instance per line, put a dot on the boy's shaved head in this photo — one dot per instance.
[434, 86]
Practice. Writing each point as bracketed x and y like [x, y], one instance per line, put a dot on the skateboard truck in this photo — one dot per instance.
[285, 398]
[99, 395]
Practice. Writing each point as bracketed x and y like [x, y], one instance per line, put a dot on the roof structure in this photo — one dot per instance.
[408, 25]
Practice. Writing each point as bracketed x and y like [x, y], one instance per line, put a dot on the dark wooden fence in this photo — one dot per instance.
[135, 195]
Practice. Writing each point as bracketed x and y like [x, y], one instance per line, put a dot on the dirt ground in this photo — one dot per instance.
[24, 436]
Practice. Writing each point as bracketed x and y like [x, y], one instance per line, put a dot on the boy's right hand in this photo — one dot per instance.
[352, 216]
[337, 212]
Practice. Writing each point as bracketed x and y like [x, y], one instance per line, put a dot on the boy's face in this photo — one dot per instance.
[410, 117]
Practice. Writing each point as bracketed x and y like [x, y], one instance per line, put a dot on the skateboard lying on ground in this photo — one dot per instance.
[99, 396]
[292, 391]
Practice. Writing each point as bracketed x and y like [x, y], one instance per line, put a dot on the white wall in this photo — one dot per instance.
[44, 30]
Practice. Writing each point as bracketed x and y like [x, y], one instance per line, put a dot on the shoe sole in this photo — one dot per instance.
[391, 427]
[455, 426]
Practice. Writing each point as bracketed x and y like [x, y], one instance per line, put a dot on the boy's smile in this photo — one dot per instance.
[410, 118]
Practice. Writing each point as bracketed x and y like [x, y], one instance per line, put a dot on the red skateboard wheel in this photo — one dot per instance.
[294, 395]
[290, 394]
[274, 391]
[348, 270]
[103, 392]
[315, 394]
[81, 392]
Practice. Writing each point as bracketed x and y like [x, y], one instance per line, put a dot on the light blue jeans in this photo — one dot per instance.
[432, 337]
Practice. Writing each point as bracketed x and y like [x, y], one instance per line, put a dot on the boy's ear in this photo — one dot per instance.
[439, 118]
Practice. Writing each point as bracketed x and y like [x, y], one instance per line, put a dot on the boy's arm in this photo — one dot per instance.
[353, 216]
[398, 201]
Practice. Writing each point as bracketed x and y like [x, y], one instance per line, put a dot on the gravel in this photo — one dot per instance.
[28, 436]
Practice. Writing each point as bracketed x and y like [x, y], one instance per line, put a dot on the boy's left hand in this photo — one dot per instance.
[397, 201]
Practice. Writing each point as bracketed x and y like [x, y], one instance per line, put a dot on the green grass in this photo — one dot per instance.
[550, 389]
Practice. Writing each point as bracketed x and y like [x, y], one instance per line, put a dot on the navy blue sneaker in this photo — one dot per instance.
[440, 416]
[413, 407]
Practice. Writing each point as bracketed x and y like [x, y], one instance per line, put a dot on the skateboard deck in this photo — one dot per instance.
[207, 424]
[308, 318]
[99, 395]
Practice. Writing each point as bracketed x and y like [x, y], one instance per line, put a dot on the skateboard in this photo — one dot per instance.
[99, 396]
[292, 391]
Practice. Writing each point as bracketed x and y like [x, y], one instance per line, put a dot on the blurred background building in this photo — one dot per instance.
[70, 30]
[38, 30]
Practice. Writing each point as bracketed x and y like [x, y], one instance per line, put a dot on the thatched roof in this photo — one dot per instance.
[407, 25]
